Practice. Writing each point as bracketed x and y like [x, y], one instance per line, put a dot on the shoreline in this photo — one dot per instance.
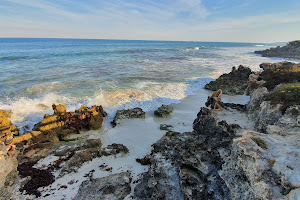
[208, 142]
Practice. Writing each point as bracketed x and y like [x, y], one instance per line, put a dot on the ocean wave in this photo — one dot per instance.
[143, 61]
[259, 45]
[26, 112]
[194, 48]
[12, 58]
[45, 87]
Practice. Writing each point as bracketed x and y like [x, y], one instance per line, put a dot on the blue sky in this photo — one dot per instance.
[191, 20]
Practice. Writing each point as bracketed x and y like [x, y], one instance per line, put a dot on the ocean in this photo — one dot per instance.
[35, 73]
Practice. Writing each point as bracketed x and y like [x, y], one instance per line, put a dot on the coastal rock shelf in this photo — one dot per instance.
[291, 50]
[231, 151]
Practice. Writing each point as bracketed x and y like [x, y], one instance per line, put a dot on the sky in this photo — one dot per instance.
[183, 20]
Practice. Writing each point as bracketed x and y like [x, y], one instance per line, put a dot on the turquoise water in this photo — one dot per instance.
[113, 73]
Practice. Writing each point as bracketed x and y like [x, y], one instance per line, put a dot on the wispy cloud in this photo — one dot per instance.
[138, 19]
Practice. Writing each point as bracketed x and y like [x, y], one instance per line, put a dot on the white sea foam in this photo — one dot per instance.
[194, 48]
[27, 112]
[259, 45]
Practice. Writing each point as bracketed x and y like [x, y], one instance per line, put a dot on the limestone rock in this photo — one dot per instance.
[59, 109]
[7, 129]
[290, 50]
[116, 186]
[184, 166]
[214, 102]
[233, 83]
[8, 162]
[163, 111]
[252, 172]
[77, 159]
[64, 123]
[128, 114]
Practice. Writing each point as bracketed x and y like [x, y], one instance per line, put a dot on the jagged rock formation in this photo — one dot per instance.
[7, 129]
[233, 83]
[163, 111]
[128, 114]
[274, 104]
[116, 187]
[291, 50]
[185, 166]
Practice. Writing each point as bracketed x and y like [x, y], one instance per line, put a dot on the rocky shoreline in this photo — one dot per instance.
[234, 151]
[291, 50]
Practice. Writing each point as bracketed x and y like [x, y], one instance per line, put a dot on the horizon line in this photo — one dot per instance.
[137, 40]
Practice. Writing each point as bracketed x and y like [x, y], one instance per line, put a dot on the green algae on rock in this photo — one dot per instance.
[163, 111]
[233, 83]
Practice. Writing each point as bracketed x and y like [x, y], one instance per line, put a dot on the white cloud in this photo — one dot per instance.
[167, 20]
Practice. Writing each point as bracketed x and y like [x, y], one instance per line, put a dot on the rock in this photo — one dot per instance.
[234, 83]
[76, 146]
[253, 83]
[144, 161]
[116, 186]
[128, 114]
[214, 102]
[279, 73]
[59, 109]
[7, 129]
[185, 166]
[290, 50]
[63, 123]
[253, 172]
[79, 158]
[163, 111]
[8, 162]
[166, 127]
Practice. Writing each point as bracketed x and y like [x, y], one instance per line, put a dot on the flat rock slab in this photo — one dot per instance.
[115, 186]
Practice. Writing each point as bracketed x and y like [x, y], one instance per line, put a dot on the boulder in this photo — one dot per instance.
[214, 102]
[163, 111]
[128, 114]
[7, 129]
[166, 127]
[59, 109]
[116, 186]
[234, 83]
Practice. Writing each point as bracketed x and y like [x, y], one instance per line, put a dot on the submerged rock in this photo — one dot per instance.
[116, 186]
[163, 111]
[290, 50]
[128, 114]
[166, 127]
[234, 83]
